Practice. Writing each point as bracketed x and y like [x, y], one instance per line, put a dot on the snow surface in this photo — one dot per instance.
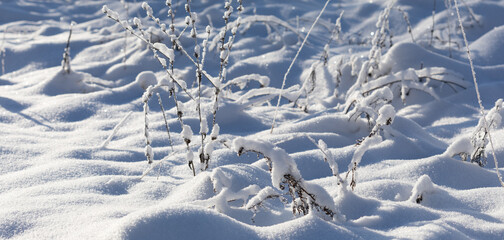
[72, 145]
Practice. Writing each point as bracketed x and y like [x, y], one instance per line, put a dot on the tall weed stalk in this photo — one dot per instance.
[478, 95]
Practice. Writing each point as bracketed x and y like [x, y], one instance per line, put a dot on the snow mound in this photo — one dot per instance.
[72, 82]
[181, 222]
[488, 49]
[422, 187]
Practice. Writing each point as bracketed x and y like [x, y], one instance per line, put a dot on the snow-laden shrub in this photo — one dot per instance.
[415, 79]
[368, 106]
[166, 57]
[403, 81]
[374, 72]
[309, 83]
[473, 147]
[225, 194]
[285, 176]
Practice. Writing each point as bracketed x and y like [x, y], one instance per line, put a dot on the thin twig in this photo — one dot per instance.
[433, 23]
[292, 63]
[2, 51]
[66, 54]
[115, 130]
[165, 120]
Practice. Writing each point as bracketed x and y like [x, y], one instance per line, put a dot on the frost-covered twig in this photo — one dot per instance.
[155, 47]
[2, 51]
[225, 49]
[208, 30]
[328, 157]
[362, 77]
[177, 45]
[412, 77]
[187, 134]
[264, 194]
[405, 80]
[379, 37]
[186, 130]
[471, 12]
[171, 14]
[168, 53]
[65, 63]
[222, 56]
[335, 34]
[206, 153]
[369, 68]
[197, 52]
[165, 120]
[368, 105]
[292, 63]
[406, 19]
[482, 109]
[433, 22]
[145, 99]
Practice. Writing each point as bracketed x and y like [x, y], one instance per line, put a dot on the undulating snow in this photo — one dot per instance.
[378, 134]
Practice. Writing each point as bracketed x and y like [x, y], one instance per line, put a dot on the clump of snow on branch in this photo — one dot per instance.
[286, 176]
[368, 105]
[386, 116]
[423, 187]
[146, 79]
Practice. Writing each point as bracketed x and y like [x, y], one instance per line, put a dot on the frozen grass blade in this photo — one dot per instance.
[125, 43]
[433, 23]
[158, 163]
[292, 63]
[115, 130]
